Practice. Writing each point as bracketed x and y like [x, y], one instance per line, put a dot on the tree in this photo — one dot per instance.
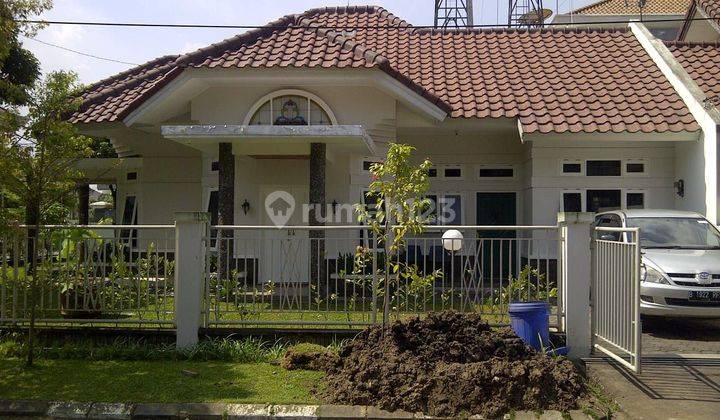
[19, 69]
[400, 188]
[38, 154]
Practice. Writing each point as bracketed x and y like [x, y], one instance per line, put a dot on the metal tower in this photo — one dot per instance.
[453, 13]
[527, 13]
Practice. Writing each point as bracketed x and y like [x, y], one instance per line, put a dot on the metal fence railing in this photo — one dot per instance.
[616, 327]
[89, 275]
[335, 276]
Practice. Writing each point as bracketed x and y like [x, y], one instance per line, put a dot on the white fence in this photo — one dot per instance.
[335, 276]
[311, 277]
[89, 275]
[616, 327]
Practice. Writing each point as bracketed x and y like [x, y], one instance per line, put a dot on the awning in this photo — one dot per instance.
[271, 139]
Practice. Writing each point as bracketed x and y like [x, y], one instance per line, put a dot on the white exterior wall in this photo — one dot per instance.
[548, 182]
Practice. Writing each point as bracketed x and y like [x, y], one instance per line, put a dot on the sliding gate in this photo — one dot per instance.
[616, 328]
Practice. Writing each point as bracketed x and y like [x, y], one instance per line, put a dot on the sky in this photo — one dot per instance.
[138, 45]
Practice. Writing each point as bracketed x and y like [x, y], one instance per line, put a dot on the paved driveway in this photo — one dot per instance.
[681, 336]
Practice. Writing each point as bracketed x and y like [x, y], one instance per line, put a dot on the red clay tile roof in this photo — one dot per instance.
[568, 80]
[630, 7]
[711, 8]
[701, 61]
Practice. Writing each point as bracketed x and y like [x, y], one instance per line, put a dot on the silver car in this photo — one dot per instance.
[680, 270]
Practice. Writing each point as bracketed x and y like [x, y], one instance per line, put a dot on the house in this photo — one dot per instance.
[663, 18]
[519, 124]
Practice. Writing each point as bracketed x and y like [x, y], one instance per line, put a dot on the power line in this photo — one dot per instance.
[336, 27]
[81, 53]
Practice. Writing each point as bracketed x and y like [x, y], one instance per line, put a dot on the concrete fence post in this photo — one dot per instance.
[576, 275]
[190, 229]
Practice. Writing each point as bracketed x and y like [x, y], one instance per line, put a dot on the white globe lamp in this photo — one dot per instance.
[452, 240]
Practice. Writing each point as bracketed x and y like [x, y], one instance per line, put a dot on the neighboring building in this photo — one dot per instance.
[662, 17]
[702, 22]
[519, 124]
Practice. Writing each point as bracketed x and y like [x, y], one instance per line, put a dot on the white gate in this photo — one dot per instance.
[616, 327]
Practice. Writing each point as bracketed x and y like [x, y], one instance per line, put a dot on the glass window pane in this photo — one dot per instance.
[290, 110]
[602, 200]
[571, 168]
[572, 201]
[603, 168]
[431, 214]
[496, 173]
[432, 173]
[635, 168]
[452, 210]
[453, 173]
[318, 116]
[262, 115]
[635, 200]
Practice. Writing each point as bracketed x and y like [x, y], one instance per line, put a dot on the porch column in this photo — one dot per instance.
[83, 196]
[226, 208]
[317, 218]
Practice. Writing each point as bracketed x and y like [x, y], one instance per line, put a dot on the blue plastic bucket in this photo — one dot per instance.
[530, 321]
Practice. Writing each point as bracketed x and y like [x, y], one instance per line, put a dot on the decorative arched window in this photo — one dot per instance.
[290, 107]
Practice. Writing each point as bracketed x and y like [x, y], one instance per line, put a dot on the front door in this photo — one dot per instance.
[499, 250]
[285, 255]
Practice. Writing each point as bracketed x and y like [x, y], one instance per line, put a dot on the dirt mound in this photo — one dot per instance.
[448, 364]
[309, 357]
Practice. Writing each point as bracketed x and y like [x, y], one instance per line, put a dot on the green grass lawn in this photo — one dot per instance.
[161, 381]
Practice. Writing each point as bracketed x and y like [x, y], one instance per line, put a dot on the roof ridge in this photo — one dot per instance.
[356, 9]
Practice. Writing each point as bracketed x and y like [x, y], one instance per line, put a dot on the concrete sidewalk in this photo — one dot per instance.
[669, 387]
[118, 411]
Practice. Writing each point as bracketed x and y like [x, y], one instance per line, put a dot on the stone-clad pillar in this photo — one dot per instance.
[317, 213]
[83, 195]
[226, 208]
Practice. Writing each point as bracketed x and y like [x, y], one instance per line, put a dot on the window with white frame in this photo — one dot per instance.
[634, 167]
[367, 163]
[634, 199]
[571, 200]
[290, 107]
[452, 171]
[571, 167]
[496, 172]
[603, 168]
[594, 200]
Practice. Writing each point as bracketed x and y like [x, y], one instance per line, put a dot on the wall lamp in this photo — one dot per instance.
[245, 206]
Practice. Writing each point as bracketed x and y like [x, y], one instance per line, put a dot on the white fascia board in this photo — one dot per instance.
[682, 136]
[407, 96]
[157, 98]
[693, 96]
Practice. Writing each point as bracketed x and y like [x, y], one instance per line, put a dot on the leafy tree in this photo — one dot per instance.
[38, 153]
[400, 188]
[19, 69]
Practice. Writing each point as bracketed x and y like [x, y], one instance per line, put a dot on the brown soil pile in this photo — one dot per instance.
[450, 364]
[308, 357]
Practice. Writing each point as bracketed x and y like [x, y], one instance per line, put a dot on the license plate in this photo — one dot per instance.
[704, 295]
